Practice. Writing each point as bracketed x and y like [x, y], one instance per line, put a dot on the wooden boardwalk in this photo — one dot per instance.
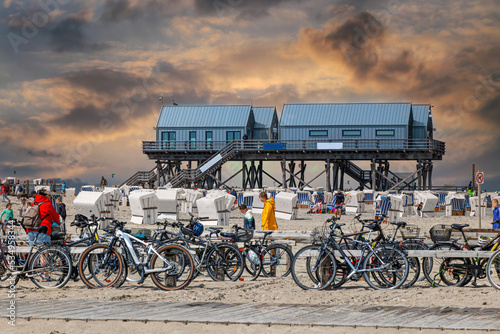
[259, 313]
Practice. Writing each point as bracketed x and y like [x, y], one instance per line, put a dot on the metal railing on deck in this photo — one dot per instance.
[346, 144]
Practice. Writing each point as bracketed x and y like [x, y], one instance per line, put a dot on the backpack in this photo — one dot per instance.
[31, 218]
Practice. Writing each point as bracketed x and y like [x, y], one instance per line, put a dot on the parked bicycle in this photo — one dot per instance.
[410, 241]
[171, 266]
[270, 258]
[215, 255]
[47, 266]
[383, 266]
[453, 271]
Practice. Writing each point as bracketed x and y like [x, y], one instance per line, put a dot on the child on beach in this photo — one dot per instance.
[496, 213]
[248, 220]
[419, 209]
[61, 210]
[9, 214]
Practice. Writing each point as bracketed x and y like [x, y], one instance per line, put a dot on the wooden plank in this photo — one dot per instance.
[26, 249]
[285, 314]
[449, 253]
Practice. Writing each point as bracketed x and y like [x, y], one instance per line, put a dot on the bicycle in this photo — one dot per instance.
[493, 270]
[171, 266]
[457, 271]
[315, 266]
[275, 258]
[49, 267]
[220, 260]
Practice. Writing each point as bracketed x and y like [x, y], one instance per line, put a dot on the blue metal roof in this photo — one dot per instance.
[204, 116]
[263, 117]
[420, 114]
[345, 114]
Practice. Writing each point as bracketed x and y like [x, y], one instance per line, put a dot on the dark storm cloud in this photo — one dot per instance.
[245, 9]
[119, 10]
[355, 40]
[490, 110]
[42, 153]
[401, 64]
[88, 117]
[69, 35]
[103, 81]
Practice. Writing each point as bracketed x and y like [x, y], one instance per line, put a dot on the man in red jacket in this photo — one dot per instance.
[48, 215]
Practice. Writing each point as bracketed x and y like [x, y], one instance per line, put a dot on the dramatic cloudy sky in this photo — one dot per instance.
[80, 80]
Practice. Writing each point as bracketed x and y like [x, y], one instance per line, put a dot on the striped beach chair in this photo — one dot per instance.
[239, 197]
[303, 198]
[385, 205]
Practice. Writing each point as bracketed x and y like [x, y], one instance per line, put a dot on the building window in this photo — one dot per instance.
[318, 133]
[208, 139]
[233, 135]
[351, 133]
[169, 137]
[389, 133]
[192, 139]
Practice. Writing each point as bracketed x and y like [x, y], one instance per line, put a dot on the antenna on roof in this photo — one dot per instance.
[173, 103]
[161, 100]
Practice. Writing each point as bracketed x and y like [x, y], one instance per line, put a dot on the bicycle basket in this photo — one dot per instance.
[321, 233]
[410, 232]
[440, 233]
[243, 235]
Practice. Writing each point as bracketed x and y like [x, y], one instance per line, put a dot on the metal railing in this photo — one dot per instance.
[255, 145]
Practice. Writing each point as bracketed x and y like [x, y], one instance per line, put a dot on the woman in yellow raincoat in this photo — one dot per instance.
[268, 216]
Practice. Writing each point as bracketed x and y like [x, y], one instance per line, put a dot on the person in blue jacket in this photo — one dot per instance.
[496, 213]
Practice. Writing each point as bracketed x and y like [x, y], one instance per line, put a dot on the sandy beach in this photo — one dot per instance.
[281, 290]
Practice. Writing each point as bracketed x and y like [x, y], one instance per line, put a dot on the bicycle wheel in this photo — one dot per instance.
[453, 271]
[414, 264]
[225, 261]
[176, 267]
[6, 279]
[50, 267]
[493, 270]
[276, 261]
[387, 268]
[432, 265]
[100, 266]
[419, 245]
[253, 262]
[343, 269]
[313, 268]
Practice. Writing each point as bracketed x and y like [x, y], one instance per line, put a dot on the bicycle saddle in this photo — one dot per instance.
[459, 226]
[214, 229]
[228, 234]
[266, 233]
[402, 224]
[57, 235]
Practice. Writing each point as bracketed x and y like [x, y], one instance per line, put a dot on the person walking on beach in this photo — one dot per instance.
[268, 214]
[104, 182]
[7, 213]
[496, 213]
[248, 219]
[63, 188]
[24, 206]
[4, 190]
[339, 203]
[61, 210]
[48, 216]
